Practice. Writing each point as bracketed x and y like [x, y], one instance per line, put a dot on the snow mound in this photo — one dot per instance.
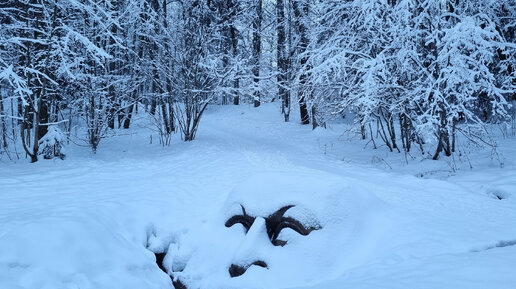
[498, 194]
[349, 224]
[79, 251]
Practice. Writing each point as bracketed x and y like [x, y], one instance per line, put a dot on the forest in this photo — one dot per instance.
[409, 73]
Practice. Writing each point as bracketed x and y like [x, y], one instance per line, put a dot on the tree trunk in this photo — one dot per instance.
[166, 119]
[405, 132]
[315, 124]
[257, 45]
[128, 116]
[43, 119]
[2, 118]
[281, 58]
[234, 44]
[113, 101]
[444, 137]
[300, 11]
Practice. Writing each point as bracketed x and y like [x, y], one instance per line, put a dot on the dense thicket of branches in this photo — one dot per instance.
[411, 72]
[434, 67]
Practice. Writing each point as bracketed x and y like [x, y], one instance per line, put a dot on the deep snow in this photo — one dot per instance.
[388, 220]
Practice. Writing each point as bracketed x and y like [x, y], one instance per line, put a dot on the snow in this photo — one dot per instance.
[52, 143]
[387, 220]
[344, 213]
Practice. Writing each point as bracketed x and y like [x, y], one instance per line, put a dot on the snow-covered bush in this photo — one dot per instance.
[51, 145]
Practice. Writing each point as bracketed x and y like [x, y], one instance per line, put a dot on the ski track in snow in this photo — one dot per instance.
[85, 222]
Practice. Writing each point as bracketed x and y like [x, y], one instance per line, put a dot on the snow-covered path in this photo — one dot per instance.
[86, 222]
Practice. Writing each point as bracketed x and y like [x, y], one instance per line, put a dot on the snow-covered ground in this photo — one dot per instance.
[380, 219]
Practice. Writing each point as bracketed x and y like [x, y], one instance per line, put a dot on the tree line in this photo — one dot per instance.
[409, 72]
